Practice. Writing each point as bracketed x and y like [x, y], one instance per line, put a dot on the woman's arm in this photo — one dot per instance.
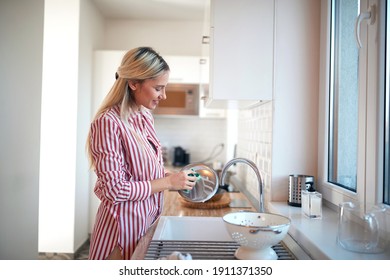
[112, 184]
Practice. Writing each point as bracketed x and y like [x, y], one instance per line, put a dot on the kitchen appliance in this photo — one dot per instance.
[181, 99]
[180, 157]
[296, 184]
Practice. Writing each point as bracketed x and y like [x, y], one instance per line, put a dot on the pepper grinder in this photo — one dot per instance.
[311, 203]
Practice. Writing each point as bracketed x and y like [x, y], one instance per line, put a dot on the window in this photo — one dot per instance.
[354, 148]
[344, 90]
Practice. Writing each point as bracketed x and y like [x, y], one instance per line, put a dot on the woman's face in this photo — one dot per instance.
[150, 92]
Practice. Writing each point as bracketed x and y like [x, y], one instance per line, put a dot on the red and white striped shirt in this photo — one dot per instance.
[126, 159]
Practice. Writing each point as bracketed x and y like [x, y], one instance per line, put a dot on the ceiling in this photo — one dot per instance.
[152, 9]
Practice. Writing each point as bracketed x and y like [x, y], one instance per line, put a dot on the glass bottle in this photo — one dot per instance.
[311, 203]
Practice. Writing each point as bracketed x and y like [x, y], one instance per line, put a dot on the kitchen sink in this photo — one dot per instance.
[203, 237]
[190, 228]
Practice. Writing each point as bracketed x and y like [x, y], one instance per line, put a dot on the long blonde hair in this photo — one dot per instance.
[137, 65]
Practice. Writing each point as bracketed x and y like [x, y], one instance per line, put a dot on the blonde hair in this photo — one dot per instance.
[137, 65]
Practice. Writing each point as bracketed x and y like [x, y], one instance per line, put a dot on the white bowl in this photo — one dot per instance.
[256, 233]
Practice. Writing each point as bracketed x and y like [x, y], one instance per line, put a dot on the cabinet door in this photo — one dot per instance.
[241, 49]
[205, 49]
[184, 69]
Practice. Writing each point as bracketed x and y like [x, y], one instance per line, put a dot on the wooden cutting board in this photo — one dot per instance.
[222, 203]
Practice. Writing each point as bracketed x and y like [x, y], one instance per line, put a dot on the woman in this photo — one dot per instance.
[126, 156]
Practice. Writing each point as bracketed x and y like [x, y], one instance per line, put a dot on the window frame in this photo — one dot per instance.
[384, 96]
[369, 189]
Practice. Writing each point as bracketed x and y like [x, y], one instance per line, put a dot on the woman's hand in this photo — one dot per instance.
[181, 180]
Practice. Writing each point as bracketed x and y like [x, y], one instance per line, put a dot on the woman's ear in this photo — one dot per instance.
[132, 85]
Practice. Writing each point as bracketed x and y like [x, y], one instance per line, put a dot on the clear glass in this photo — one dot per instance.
[343, 122]
[359, 231]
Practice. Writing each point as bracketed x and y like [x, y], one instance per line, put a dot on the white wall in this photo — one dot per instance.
[91, 37]
[196, 135]
[21, 33]
[59, 123]
[295, 115]
[72, 30]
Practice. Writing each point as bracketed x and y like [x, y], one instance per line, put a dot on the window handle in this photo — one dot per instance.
[369, 15]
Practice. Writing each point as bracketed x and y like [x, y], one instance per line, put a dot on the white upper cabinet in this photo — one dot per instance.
[205, 49]
[184, 69]
[241, 52]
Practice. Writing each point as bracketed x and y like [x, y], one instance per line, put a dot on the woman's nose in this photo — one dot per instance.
[163, 96]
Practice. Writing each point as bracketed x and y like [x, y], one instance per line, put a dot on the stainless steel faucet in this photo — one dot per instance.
[255, 169]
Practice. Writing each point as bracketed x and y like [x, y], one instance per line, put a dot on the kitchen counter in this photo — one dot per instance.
[173, 207]
[318, 237]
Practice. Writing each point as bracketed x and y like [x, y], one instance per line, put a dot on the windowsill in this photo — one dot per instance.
[318, 237]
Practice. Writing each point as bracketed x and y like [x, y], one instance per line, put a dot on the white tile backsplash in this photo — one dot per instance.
[197, 136]
[255, 143]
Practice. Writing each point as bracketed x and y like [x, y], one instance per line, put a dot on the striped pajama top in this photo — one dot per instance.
[126, 160]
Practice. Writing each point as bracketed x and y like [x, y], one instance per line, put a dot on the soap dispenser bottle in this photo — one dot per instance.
[311, 203]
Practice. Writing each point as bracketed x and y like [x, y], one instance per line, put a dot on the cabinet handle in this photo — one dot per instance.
[202, 61]
[203, 97]
[370, 14]
[206, 40]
